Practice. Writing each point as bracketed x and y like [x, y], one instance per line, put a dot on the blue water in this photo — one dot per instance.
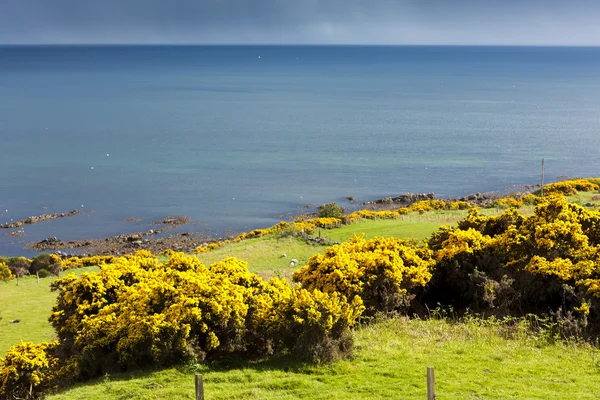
[236, 136]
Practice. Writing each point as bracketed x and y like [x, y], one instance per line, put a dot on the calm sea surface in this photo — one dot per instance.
[236, 136]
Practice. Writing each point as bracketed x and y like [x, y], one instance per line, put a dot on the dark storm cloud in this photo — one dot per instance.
[545, 22]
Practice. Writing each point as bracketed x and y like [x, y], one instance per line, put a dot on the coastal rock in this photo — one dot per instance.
[177, 220]
[134, 238]
[404, 199]
[38, 218]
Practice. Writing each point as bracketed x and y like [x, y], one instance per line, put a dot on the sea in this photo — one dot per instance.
[239, 137]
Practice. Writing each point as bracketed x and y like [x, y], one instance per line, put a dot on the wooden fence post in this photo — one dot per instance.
[430, 384]
[199, 387]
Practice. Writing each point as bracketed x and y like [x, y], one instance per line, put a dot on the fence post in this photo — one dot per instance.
[430, 384]
[199, 387]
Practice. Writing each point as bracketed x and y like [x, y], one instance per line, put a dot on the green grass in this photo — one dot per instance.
[264, 255]
[398, 228]
[411, 226]
[582, 198]
[472, 361]
[31, 303]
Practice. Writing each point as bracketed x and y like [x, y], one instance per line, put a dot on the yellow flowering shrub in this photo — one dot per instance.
[461, 242]
[79, 262]
[5, 272]
[210, 247]
[507, 202]
[432, 205]
[310, 225]
[138, 310]
[371, 214]
[543, 261]
[27, 370]
[318, 324]
[571, 187]
[314, 325]
[380, 271]
[491, 225]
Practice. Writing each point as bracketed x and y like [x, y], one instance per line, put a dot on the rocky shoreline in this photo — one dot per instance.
[476, 199]
[128, 243]
[37, 219]
[153, 241]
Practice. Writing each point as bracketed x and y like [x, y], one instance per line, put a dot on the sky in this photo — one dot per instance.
[384, 22]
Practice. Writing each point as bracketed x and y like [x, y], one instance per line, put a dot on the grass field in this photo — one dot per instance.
[472, 361]
[30, 302]
[264, 255]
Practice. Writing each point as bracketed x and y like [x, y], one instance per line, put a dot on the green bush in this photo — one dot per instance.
[43, 261]
[43, 273]
[330, 210]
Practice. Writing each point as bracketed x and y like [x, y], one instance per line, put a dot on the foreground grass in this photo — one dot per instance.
[30, 302]
[472, 360]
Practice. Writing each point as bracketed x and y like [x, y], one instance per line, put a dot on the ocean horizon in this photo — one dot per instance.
[235, 137]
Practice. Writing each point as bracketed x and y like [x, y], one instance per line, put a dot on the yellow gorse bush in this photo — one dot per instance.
[79, 262]
[27, 369]
[546, 260]
[138, 310]
[508, 202]
[380, 271]
[5, 272]
[572, 186]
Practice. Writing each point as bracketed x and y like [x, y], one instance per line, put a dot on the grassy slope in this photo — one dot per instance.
[30, 302]
[471, 361]
[264, 255]
[582, 198]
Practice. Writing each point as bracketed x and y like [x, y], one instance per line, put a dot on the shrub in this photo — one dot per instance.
[43, 273]
[381, 271]
[5, 272]
[137, 311]
[43, 261]
[314, 326]
[318, 328]
[330, 210]
[28, 370]
[56, 269]
[463, 258]
[536, 263]
[571, 187]
[507, 202]
[19, 266]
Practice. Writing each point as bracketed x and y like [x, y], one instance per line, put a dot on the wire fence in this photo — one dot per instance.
[424, 389]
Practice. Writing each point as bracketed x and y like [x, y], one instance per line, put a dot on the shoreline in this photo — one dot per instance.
[156, 241]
